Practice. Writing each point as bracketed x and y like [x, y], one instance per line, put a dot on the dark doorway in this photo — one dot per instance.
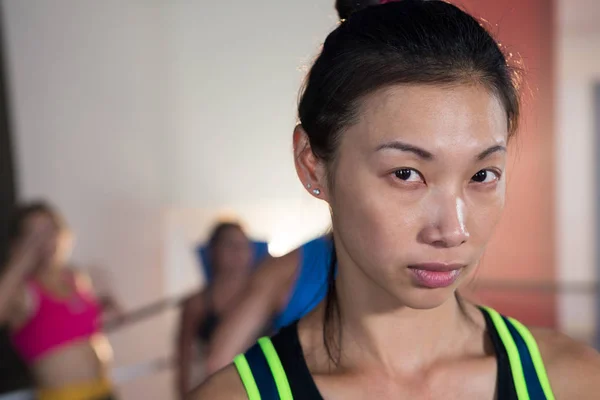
[13, 373]
[7, 169]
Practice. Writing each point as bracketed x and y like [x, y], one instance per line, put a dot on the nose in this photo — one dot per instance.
[446, 226]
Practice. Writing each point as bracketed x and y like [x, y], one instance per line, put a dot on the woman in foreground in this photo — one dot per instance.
[53, 314]
[404, 125]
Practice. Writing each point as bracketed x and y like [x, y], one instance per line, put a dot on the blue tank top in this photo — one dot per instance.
[311, 281]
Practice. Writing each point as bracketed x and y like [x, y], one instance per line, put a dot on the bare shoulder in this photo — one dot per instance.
[573, 368]
[224, 385]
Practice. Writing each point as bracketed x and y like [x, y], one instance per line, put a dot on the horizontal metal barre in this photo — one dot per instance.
[142, 313]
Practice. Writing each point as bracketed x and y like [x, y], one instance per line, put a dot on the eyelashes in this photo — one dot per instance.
[409, 175]
[485, 176]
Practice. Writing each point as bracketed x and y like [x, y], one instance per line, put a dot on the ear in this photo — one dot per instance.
[310, 169]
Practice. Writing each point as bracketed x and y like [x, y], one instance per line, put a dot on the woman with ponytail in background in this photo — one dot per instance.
[404, 125]
[230, 253]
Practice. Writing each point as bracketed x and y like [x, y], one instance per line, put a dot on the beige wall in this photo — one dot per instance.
[522, 250]
[578, 68]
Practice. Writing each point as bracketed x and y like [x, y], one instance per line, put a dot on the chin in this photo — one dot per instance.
[45, 265]
[426, 299]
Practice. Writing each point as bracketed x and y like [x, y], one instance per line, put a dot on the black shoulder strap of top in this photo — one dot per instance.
[287, 344]
[261, 372]
[524, 358]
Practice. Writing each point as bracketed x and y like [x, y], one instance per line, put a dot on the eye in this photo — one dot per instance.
[486, 176]
[408, 175]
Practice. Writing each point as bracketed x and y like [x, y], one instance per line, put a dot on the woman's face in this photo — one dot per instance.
[417, 188]
[55, 246]
[233, 252]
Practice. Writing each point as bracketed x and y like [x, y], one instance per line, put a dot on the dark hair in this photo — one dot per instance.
[348, 7]
[218, 233]
[24, 211]
[402, 42]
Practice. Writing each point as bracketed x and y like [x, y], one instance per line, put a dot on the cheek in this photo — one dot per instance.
[51, 244]
[65, 243]
[484, 215]
[373, 220]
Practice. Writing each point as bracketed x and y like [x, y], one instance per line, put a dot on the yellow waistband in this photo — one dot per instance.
[82, 391]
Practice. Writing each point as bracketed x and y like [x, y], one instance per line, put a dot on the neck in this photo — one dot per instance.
[376, 329]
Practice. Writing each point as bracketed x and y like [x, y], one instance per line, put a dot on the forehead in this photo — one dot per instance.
[457, 117]
[233, 234]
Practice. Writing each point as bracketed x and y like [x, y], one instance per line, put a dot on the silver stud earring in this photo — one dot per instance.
[308, 185]
[316, 192]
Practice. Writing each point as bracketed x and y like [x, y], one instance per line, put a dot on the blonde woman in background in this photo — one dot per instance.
[54, 316]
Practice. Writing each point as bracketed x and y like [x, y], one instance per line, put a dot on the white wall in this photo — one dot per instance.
[578, 68]
[125, 111]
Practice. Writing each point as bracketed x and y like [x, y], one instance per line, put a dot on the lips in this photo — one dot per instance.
[436, 275]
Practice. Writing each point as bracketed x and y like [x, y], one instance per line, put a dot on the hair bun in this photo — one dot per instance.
[346, 8]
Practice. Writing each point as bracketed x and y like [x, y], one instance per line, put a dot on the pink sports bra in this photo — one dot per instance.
[56, 322]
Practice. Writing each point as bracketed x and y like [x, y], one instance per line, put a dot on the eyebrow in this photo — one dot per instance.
[397, 145]
[426, 155]
[494, 149]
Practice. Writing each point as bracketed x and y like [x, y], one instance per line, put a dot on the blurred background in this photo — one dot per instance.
[144, 121]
